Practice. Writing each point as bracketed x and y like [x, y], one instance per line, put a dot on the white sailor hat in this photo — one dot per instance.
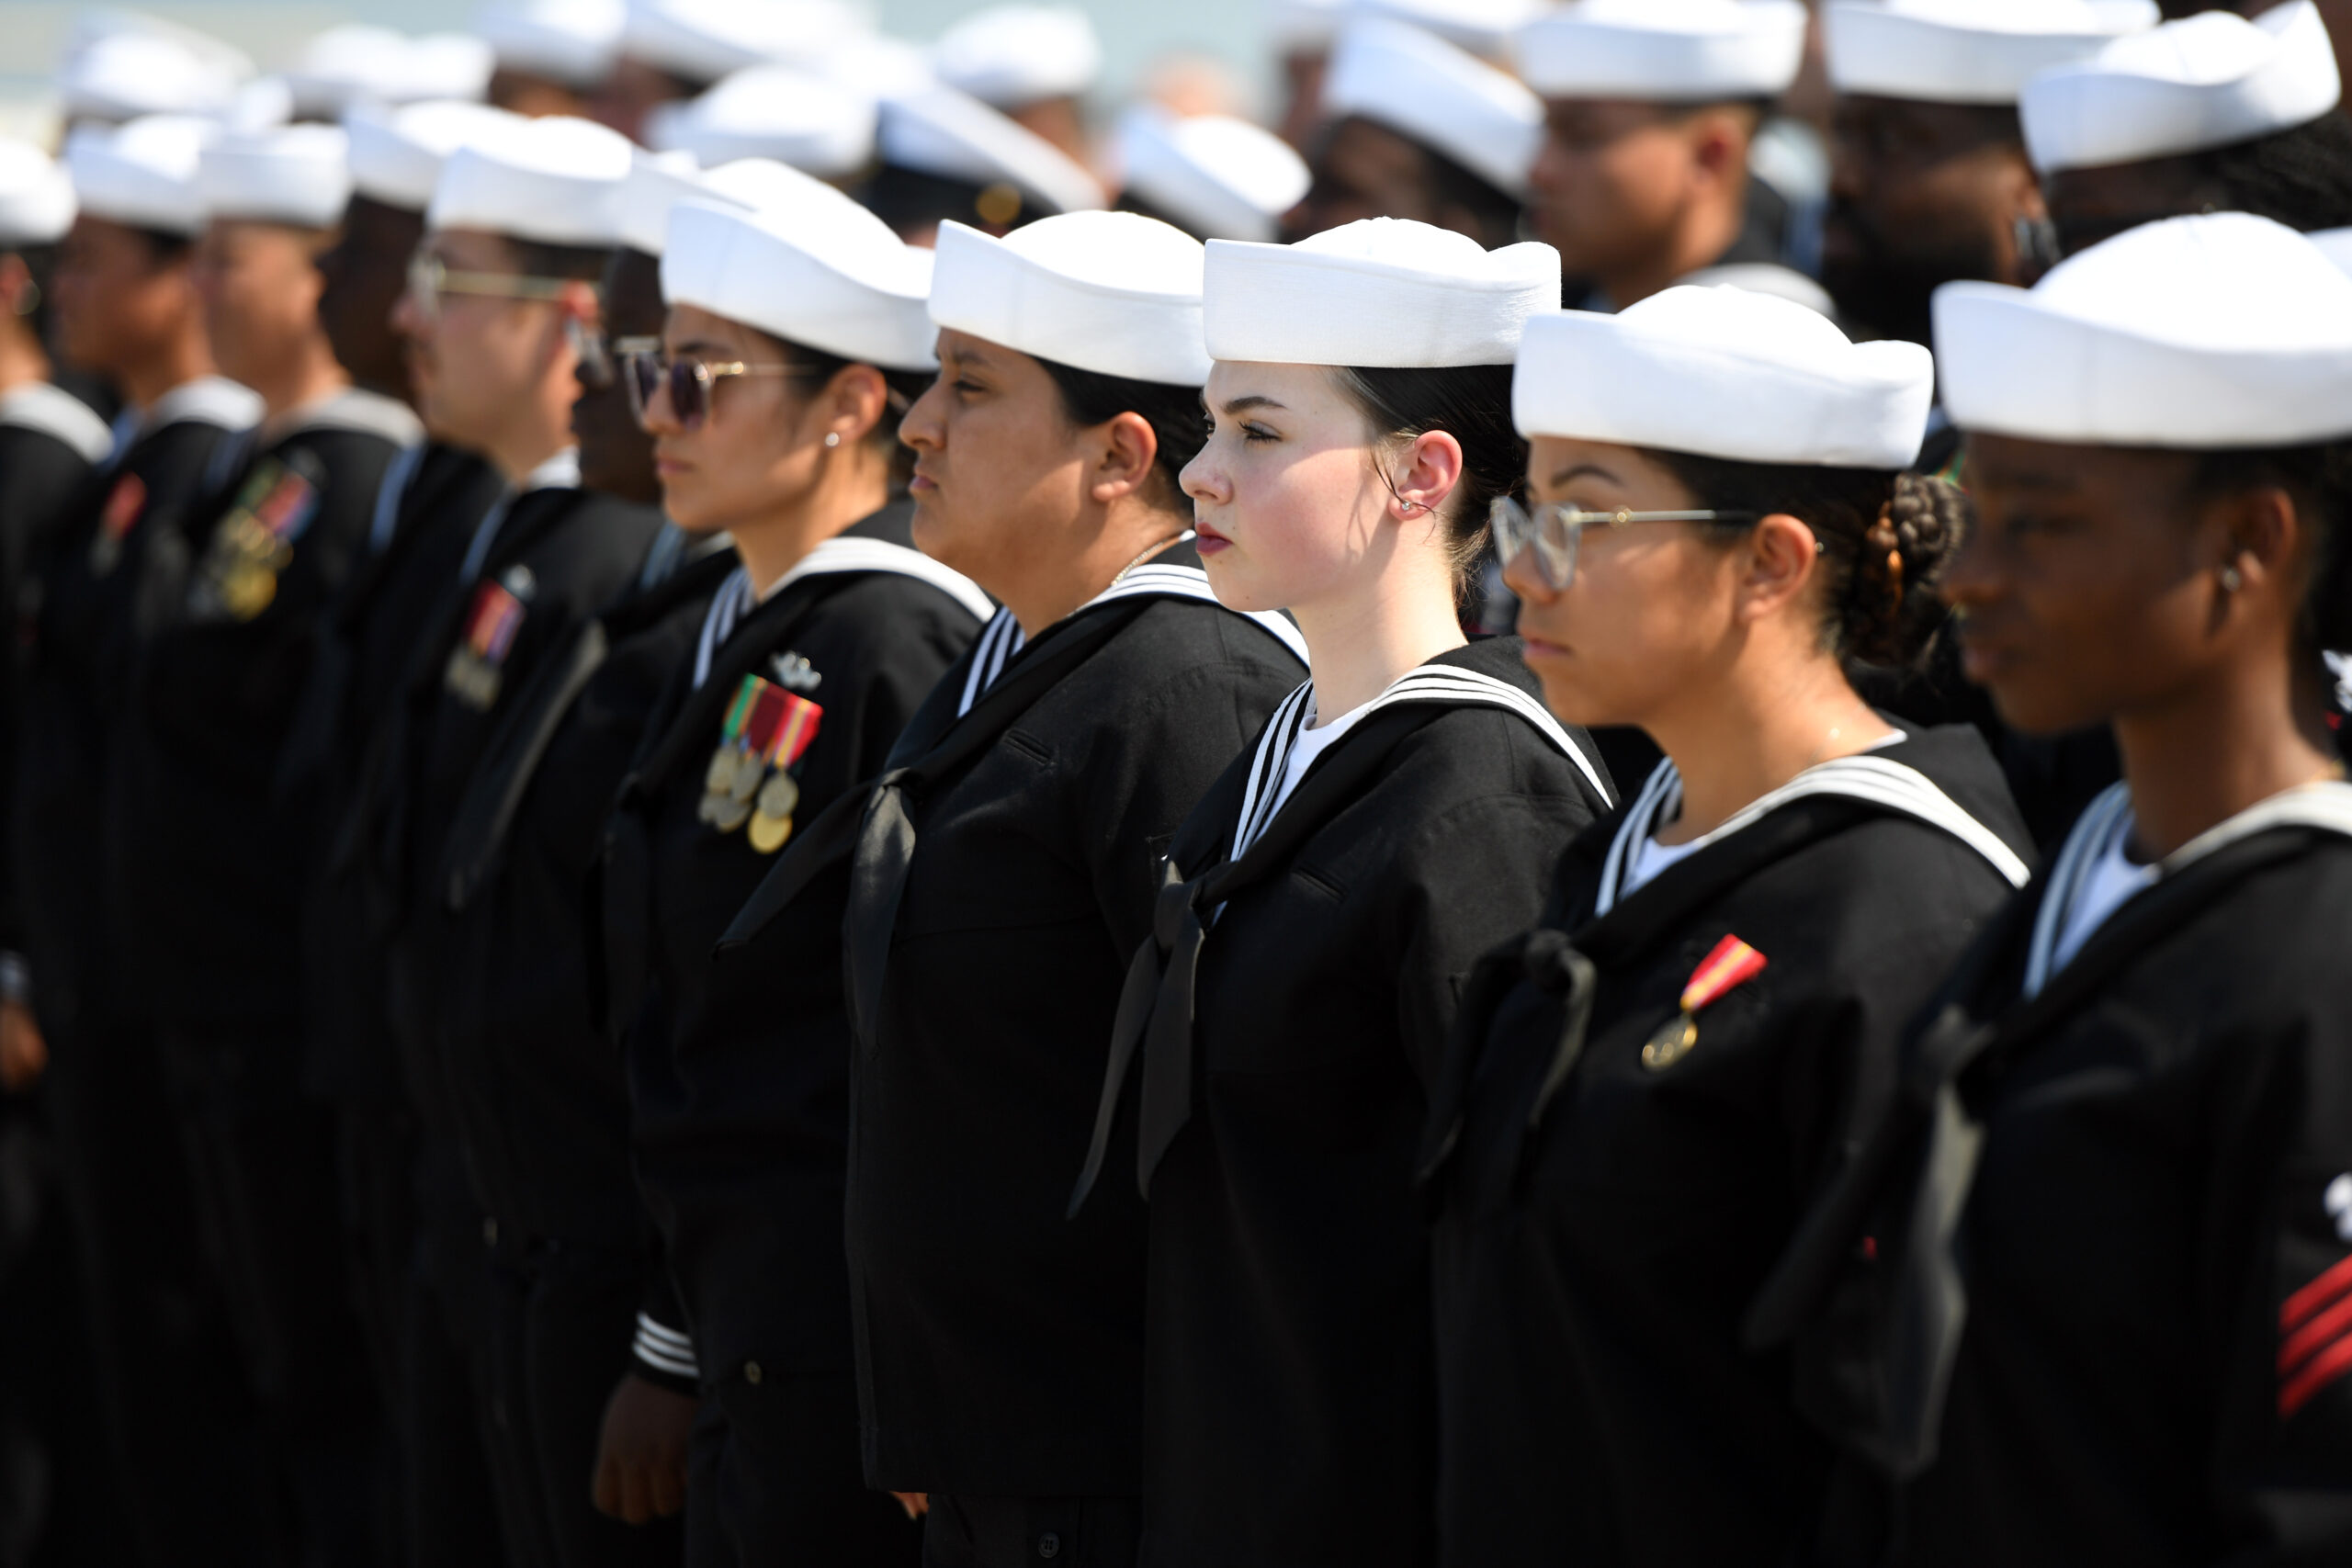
[2205, 81]
[1482, 27]
[142, 172]
[296, 175]
[1305, 27]
[556, 181]
[571, 42]
[1010, 55]
[122, 76]
[2218, 331]
[36, 197]
[1967, 51]
[658, 182]
[701, 40]
[397, 153]
[1664, 51]
[357, 64]
[954, 136]
[1423, 88]
[783, 112]
[444, 65]
[1724, 372]
[1381, 292]
[877, 66]
[2335, 244]
[1220, 177]
[1115, 293]
[823, 271]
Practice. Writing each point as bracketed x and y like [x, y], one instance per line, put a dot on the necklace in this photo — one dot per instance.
[1149, 551]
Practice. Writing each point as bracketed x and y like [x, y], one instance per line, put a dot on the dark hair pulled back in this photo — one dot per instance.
[1884, 537]
[2301, 177]
[1469, 403]
[1091, 397]
[901, 389]
[2320, 478]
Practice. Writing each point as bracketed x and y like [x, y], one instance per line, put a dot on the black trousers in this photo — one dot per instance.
[563, 1315]
[776, 1481]
[181, 1432]
[1031, 1532]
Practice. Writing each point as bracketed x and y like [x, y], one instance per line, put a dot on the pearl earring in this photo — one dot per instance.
[2232, 581]
[833, 438]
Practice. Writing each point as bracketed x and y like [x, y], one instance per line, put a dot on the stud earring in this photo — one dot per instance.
[833, 438]
[2231, 580]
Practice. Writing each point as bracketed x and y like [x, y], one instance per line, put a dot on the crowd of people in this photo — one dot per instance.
[769, 802]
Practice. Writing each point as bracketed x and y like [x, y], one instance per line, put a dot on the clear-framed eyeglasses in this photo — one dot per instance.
[1556, 532]
[430, 278]
[688, 382]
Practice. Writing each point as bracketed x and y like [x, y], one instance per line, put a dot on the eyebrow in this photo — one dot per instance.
[1580, 470]
[1253, 401]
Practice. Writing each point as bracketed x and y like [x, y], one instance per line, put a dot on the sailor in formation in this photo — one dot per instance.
[771, 800]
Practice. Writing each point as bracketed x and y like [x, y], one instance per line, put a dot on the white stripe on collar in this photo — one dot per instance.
[58, 413]
[1004, 637]
[2327, 804]
[835, 557]
[1890, 785]
[210, 399]
[384, 521]
[1264, 798]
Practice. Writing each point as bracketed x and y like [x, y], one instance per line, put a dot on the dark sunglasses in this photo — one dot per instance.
[688, 382]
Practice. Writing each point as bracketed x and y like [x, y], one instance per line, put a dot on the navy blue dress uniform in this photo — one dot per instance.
[739, 1069]
[1302, 983]
[1000, 1347]
[1605, 1208]
[540, 1108]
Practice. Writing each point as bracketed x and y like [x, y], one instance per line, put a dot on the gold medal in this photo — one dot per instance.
[1671, 1042]
[780, 795]
[768, 833]
[247, 589]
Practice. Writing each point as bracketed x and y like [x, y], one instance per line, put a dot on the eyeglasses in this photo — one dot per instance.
[1557, 531]
[429, 278]
[688, 382]
[598, 355]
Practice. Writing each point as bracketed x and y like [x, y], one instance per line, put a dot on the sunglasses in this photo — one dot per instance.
[599, 356]
[688, 382]
[1556, 532]
[430, 280]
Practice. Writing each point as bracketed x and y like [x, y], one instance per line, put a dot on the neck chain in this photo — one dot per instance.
[1149, 551]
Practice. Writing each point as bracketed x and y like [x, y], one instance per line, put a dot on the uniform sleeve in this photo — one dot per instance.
[662, 1351]
[2278, 1233]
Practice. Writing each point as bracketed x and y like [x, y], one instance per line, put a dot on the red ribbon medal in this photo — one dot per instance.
[1732, 963]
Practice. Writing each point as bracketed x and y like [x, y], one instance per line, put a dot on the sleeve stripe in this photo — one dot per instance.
[2304, 1303]
[2318, 1372]
[2305, 1341]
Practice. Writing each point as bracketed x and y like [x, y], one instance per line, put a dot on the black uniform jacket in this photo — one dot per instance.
[50, 446]
[1289, 1383]
[212, 865]
[559, 556]
[542, 1111]
[738, 1067]
[2136, 1346]
[1000, 1347]
[76, 634]
[1602, 1223]
[366, 644]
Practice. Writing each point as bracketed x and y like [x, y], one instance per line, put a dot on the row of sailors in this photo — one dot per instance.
[322, 730]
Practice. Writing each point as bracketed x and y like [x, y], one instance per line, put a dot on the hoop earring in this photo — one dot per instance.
[833, 438]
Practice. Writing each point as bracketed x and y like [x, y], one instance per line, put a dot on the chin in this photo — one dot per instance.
[2031, 710]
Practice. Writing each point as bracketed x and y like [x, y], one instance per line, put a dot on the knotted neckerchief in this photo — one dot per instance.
[1932, 1136]
[871, 826]
[1156, 1003]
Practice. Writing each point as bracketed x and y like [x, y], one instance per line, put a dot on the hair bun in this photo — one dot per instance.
[1892, 612]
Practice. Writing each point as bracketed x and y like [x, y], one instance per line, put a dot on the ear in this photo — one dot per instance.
[1432, 468]
[2263, 537]
[1127, 450]
[1779, 558]
[14, 278]
[854, 401]
[1719, 145]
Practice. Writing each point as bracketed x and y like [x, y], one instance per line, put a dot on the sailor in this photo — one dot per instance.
[124, 73]
[1930, 178]
[1419, 128]
[2212, 113]
[550, 56]
[809, 662]
[538, 1102]
[674, 50]
[1394, 818]
[814, 123]
[1210, 175]
[127, 309]
[1003, 865]
[503, 289]
[2091, 1269]
[943, 155]
[1650, 1085]
[1034, 64]
[344, 67]
[211, 865]
[1650, 111]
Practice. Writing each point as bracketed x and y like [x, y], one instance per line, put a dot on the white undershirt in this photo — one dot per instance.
[2113, 878]
[1312, 742]
[1651, 857]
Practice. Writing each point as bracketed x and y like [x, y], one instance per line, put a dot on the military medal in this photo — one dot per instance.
[1732, 963]
[473, 671]
[750, 780]
[253, 544]
[124, 504]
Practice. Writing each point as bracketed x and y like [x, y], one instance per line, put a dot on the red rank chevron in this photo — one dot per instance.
[2315, 1337]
